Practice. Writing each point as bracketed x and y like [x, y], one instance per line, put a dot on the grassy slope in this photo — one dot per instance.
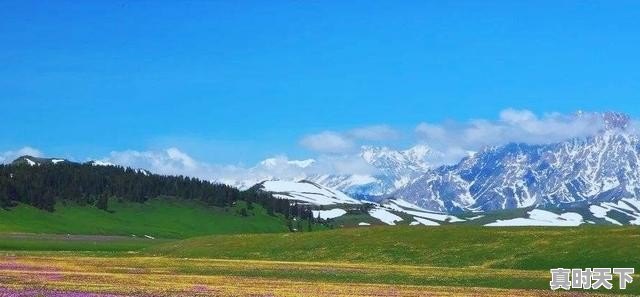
[75, 244]
[445, 246]
[458, 256]
[159, 276]
[158, 218]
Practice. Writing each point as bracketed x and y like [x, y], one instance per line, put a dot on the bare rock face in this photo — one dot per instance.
[577, 172]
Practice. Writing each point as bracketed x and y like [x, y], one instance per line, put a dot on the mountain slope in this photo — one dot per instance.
[393, 170]
[157, 218]
[332, 204]
[570, 174]
[305, 192]
[446, 246]
[49, 184]
[37, 161]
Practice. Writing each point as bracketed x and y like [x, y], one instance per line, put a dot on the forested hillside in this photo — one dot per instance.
[44, 182]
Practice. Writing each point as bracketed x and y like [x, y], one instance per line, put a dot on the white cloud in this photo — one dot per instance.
[374, 133]
[173, 161]
[635, 126]
[342, 142]
[522, 126]
[337, 153]
[327, 142]
[9, 156]
[342, 164]
[184, 159]
[169, 161]
[515, 116]
[450, 142]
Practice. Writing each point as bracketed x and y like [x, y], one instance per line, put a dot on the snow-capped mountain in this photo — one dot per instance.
[388, 212]
[394, 169]
[390, 170]
[305, 192]
[37, 161]
[277, 168]
[575, 173]
[100, 163]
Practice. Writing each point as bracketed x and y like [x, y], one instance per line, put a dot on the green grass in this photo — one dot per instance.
[444, 246]
[352, 220]
[85, 244]
[160, 218]
[454, 255]
[160, 276]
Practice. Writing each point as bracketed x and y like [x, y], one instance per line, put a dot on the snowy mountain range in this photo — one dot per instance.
[575, 173]
[389, 171]
[305, 192]
[599, 174]
[389, 211]
[393, 170]
[593, 179]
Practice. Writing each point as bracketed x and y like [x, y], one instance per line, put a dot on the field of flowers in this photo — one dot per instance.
[32, 274]
[381, 261]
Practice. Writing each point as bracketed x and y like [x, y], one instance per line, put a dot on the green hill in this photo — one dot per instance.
[161, 218]
[48, 183]
[444, 246]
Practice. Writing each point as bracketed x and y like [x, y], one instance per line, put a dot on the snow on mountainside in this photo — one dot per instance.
[420, 214]
[305, 192]
[597, 176]
[575, 173]
[539, 217]
[388, 212]
[37, 161]
[626, 208]
[395, 169]
[100, 163]
[271, 169]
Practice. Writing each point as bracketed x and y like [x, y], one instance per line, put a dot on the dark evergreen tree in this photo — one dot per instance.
[44, 185]
[103, 202]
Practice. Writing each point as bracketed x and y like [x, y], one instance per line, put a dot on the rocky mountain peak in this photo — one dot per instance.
[616, 120]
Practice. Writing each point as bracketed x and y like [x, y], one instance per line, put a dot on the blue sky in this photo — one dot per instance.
[237, 81]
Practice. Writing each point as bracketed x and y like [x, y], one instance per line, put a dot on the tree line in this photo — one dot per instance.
[42, 186]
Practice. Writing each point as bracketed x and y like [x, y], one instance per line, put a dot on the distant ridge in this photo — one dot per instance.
[36, 161]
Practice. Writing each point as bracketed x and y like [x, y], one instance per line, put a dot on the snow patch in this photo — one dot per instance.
[539, 217]
[406, 204]
[307, 192]
[401, 206]
[601, 212]
[329, 214]
[101, 163]
[426, 222]
[385, 216]
[475, 218]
